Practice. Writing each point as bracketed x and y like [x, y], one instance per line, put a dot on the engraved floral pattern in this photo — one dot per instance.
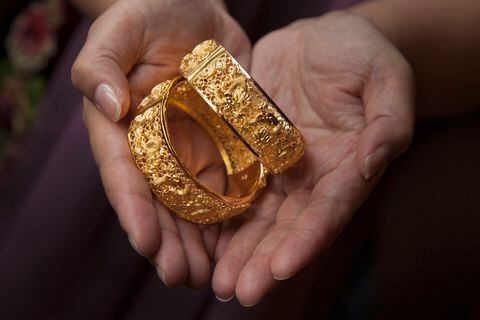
[238, 99]
[165, 174]
[199, 53]
[238, 156]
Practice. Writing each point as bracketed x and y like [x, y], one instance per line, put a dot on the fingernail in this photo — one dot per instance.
[224, 300]
[251, 304]
[134, 245]
[107, 101]
[375, 160]
[280, 278]
[161, 275]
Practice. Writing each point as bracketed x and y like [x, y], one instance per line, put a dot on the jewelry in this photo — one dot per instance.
[251, 133]
[169, 179]
[240, 101]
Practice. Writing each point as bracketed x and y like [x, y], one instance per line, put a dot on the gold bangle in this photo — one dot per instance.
[251, 133]
[233, 94]
[171, 182]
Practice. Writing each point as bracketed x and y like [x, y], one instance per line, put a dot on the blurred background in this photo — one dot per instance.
[411, 252]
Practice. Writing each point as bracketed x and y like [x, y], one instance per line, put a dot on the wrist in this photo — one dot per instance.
[433, 35]
[387, 17]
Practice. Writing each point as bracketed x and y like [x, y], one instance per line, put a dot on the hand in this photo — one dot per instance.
[130, 48]
[350, 92]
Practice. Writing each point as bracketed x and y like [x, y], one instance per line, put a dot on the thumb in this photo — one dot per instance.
[389, 108]
[100, 69]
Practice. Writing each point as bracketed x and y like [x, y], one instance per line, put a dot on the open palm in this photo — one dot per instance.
[349, 91]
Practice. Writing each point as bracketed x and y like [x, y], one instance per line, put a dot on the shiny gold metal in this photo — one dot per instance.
[240, 101]
[169, 179]
[251, 133]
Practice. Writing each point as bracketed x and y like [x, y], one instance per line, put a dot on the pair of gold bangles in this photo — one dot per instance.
[253, 136]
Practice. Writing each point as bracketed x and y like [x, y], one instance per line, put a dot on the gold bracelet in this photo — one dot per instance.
[250, 132]
[240, 101]
[169, 179]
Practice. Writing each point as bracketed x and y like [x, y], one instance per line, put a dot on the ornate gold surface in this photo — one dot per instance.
[236, 98]
[171, 182]
[251, 133]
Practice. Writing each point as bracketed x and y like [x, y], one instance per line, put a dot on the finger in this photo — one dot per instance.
[143, 77]
[110, 51]
[243, 243]
[389, 109]
[124, 185]
[331, 205]
[236, 43]
[256, 279]
[170, 260]
[210, 235]
[197, 257]
[226, 233]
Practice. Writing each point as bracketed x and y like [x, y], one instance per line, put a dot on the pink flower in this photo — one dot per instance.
[31, 41]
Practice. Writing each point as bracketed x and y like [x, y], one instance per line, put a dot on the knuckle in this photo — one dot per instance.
[402, 134]
[406, 136]
[93, 26]
[78, 72]
[403, 130]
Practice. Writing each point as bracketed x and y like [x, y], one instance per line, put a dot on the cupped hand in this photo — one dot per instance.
[350, 92]
[130, 48]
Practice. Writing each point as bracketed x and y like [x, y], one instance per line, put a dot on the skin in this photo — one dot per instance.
[350, 62]
[347, 107]
[440, 40]
[341, 80]
[131, 48]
